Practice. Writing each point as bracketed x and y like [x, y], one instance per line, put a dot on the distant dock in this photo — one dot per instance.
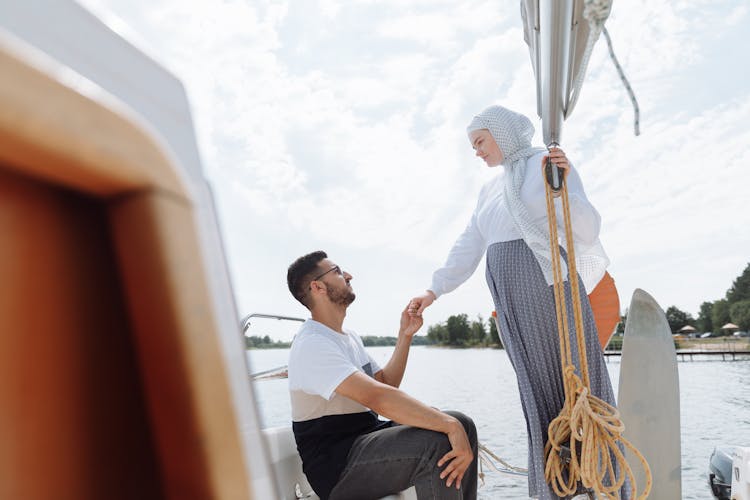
[722, 349]
[699, 355]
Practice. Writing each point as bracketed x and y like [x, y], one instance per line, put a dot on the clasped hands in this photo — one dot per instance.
[418, 304]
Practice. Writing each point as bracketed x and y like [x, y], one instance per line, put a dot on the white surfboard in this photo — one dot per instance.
[649, 396]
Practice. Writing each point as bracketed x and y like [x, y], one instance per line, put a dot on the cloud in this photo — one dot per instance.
[341, 124]
[441, 28]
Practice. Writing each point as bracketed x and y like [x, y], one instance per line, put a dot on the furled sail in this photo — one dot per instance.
[561, 35]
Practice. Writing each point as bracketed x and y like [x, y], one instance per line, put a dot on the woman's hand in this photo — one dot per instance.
[419, 303]
[559, 159]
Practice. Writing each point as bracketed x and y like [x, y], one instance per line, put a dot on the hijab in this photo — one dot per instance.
[513, 133]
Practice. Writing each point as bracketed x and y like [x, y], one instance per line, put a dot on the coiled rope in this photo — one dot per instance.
[587, 428]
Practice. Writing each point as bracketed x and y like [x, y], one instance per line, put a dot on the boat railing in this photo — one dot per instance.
[245, 322]
[274, 373]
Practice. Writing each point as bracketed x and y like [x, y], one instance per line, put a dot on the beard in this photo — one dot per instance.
[341, 297]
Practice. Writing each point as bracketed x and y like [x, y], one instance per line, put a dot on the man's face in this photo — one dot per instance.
[337, 282]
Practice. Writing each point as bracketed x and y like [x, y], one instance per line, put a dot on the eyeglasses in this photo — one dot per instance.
[337, 269]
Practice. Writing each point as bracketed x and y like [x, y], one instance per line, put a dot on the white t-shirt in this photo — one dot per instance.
[320, 359]
[325, 423]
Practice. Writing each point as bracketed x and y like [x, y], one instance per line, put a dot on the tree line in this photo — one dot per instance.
[458, 331]
[375, 341]
[265, 342]
[733, 308]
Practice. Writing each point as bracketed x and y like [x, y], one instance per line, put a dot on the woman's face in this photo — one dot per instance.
[486, 148]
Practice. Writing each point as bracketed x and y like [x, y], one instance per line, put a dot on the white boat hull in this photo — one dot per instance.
[292, 483]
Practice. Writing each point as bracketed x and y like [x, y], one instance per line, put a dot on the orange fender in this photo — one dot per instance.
[605, 304]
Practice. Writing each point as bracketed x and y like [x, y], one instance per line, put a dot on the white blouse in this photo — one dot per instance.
[491, 222]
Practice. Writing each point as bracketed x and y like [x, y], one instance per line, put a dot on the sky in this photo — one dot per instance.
[340, 125]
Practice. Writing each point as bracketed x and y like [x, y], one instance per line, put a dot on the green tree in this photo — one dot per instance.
[459, 331]
[421, 340]
[376, 341]
[438, 333]
[478, 332]
[494, 335]
[621, 325]
[720, 315]
[704, 323]
[740, 314]
[740, 288]
[677, 318]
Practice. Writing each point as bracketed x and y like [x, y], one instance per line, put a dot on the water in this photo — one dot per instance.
[714, 398]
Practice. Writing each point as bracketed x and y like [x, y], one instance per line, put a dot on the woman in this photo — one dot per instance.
[509, 223]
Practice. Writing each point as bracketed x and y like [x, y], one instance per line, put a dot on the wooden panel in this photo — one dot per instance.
[177, 432]
[98, 146]
[73, 422]
[187, 384]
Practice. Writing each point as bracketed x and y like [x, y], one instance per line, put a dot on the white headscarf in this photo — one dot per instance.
[513, 133]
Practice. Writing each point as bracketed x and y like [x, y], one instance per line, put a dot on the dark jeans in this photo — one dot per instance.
[391, 460]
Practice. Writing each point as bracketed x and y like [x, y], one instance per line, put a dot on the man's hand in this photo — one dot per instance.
[418, 304]
[409, 324]
[458, 459]
[404, 409]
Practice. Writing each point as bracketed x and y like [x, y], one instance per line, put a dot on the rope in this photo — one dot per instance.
[279, 372]
[596, 12]
[487, 456]
[624, 80]
[587, 428]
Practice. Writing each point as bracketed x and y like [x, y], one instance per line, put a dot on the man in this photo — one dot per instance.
[337, 390]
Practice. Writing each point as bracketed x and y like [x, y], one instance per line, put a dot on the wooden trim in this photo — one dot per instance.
[99, 146]
[68, 134]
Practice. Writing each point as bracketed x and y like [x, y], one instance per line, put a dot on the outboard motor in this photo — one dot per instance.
[720, 472]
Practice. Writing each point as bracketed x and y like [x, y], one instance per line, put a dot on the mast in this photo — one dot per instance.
[560, 35]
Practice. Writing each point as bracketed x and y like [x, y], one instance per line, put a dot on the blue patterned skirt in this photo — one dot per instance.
[525, 307]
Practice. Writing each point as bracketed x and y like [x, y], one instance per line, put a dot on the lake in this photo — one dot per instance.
[714, 398]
